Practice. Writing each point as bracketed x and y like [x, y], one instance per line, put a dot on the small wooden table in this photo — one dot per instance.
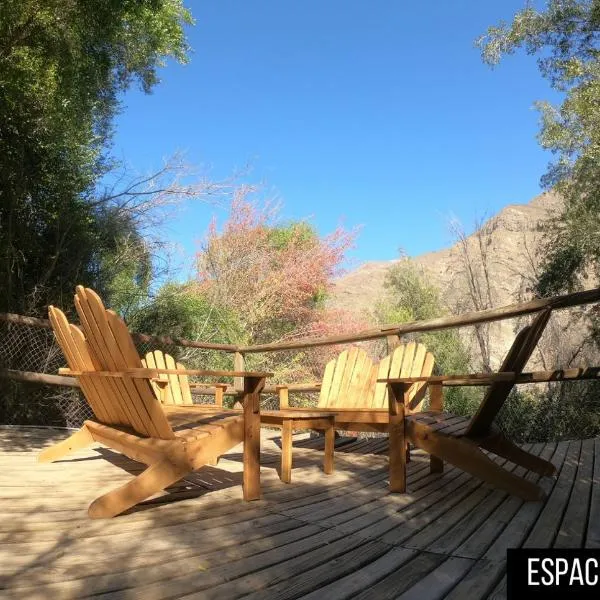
[289, 420]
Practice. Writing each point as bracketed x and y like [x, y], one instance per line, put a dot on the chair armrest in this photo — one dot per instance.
[284, 389]
[457, 380]
[571, 374]
[219, 392]
[284, 399]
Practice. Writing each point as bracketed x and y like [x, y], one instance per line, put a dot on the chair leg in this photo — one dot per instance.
[329, 450]
[436, 465]
[154, 479]
[251, 475]
[466, 455]
[79, 439]
[286, 451]
[397, 454]
[500, 445]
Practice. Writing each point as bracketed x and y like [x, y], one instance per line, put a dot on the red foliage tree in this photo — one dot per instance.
[274, 276]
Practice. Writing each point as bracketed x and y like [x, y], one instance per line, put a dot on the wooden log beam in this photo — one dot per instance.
[472, 318]
[32, 377]
[23, 320]
[138, 337]
[165, 340]
[387, 331]
[480, 379]
[200, 389]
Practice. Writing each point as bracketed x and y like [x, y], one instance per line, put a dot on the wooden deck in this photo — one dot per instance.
[337, 536]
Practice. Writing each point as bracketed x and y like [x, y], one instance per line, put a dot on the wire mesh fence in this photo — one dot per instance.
[541, 412]
[32, 348]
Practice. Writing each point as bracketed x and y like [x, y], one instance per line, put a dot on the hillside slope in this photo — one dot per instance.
[510, 239]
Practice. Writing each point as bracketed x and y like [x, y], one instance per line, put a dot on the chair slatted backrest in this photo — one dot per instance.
[407, 360]
[101, 394]
[111, 343]
[177, 390]
[350, 379]
[346, 379]
[521, 350]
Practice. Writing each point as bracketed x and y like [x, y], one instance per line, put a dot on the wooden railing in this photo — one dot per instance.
[387, 331]
[472, 318]
[140, 337]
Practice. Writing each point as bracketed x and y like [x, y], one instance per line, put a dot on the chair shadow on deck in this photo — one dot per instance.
[211, 478]
[207, 542]
[194, 485]
[448, 524]
[30, 438]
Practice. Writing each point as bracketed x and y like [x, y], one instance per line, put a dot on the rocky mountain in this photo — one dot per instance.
[507, 244]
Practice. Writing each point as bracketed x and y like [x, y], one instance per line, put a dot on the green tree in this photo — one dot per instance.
[410, 297]
[63, 65]
[184, 311]
[123, 261]
[565, 36]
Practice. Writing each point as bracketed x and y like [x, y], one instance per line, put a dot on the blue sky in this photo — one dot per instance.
[375, 114]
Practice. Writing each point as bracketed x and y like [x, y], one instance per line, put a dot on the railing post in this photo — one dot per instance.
[239, 364]
[393, 341]
[397, 467]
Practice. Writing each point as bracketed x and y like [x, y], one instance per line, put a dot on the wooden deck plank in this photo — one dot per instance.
[403, 578]
[592, 539]
[438, 582]
[479, 517]
[493, 527]
[332, 511]
[339, 536]
[102, 575]
[295, 578]
[547, 524]
[508, 528]
[416, 509]
[250, 573]
[572, 529]
[499, 592]
[478, 582]
[364, 578]
[451, 498]
[460, 511]
[380, 500]
[422, 483]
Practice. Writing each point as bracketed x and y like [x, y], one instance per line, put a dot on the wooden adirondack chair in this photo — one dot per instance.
[169, 389]
[172, 440]
[351, 393]
[460, 440]
[350, 396]
[350, 386]
[175, 389]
